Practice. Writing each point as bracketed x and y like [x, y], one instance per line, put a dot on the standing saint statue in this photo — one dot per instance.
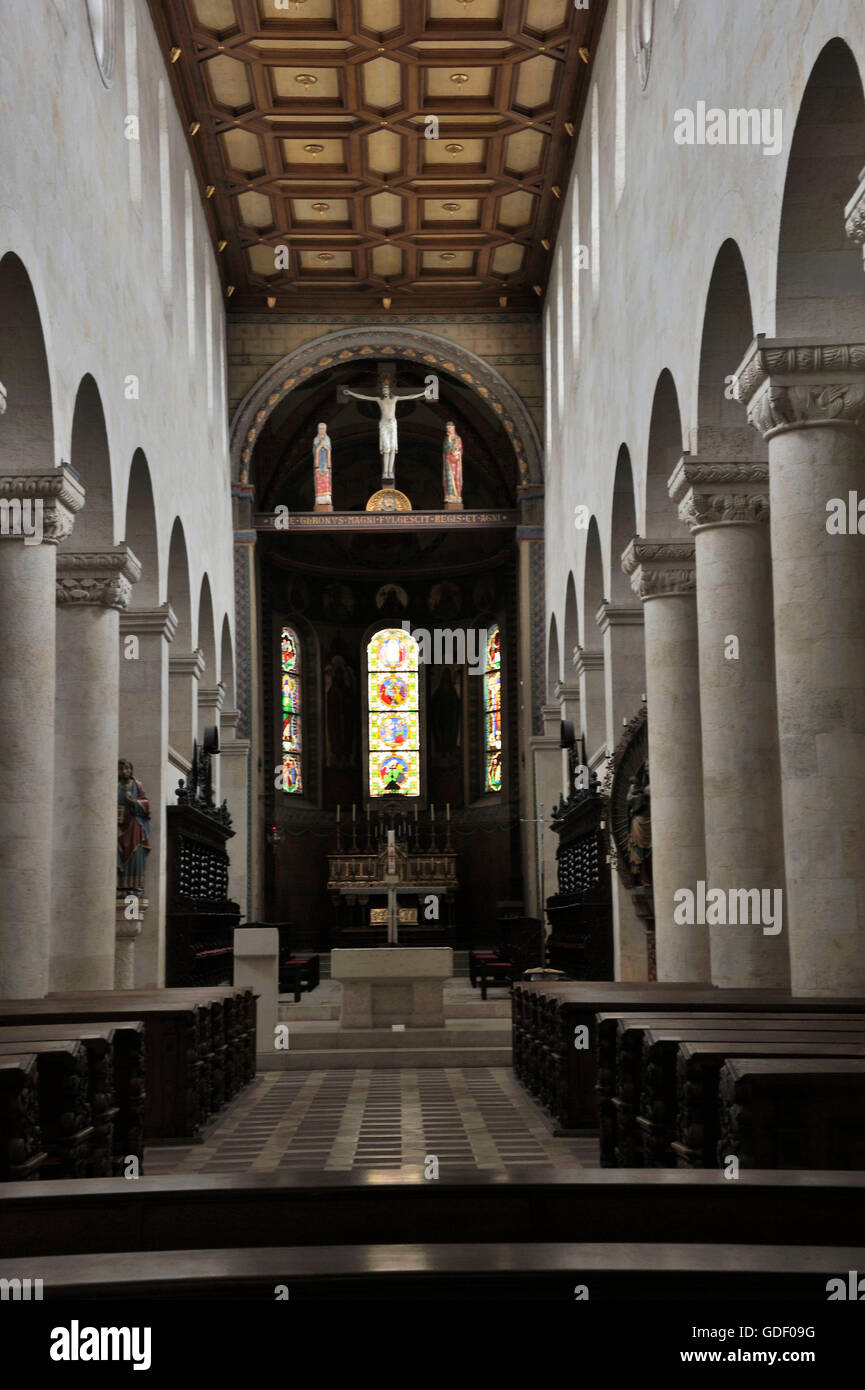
[387, 436]
[133, 830]
[452, 469]
[322, 465]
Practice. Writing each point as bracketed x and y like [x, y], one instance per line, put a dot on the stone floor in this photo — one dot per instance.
[469, 1118]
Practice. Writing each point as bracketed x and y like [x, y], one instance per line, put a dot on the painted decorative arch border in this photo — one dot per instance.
[356, 344]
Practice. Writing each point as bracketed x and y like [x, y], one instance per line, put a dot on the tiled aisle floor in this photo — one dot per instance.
[470, 1118]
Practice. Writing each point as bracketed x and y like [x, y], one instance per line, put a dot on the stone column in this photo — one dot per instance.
[662, 574]
[36, 512]
[808, 401]
[145, 638]
[184, 673]
[621, 628]
[726, 504]
[93, 587]
[234, 771]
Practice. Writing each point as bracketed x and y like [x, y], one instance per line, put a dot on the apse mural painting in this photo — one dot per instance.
[394, 721]
[292, 772]
[493, 711]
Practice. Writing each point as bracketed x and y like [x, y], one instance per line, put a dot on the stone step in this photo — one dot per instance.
[494, 1033]
[340, 1059]
[289, 1012]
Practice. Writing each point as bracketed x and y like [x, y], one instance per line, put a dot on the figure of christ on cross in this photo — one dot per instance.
[387, 436]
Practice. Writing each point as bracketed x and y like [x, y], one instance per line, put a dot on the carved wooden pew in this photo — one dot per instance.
[637, 1081]
[804, 1113]
[173, 1032]
[576, 1101]
[115, 1053]
[21, 1151]
[64, 1108]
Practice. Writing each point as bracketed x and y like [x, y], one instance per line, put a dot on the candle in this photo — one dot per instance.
[447, 810]
[337, 813]
[415, 813]
[433, 813]
[353, 811]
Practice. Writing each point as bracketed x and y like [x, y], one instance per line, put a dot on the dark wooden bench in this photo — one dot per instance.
[65, 1122]
[492, 969]
[805, 1113]
[565, 1077]
[488, 1271]
[698, 1075]
[115, 1054]
[21, 1151]
[174, 1029]
[297, 973]
[636, 1085]
[284, 1208]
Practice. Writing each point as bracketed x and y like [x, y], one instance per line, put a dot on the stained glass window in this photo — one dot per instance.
[292, 738]
[493, 711]
[394, 721]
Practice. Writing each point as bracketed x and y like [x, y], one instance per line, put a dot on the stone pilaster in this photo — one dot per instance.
[234, 788]
[145, 637]
[184, 674]
[663, 577]
[92, 588]
[568, 695]
[808, 401]
[589, 670]
[36, 512]
[727, 507]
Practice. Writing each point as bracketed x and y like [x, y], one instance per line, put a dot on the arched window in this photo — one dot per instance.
[394, 713]
[292, 736]
[493, 711]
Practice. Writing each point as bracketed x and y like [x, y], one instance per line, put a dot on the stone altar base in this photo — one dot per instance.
[385, 985]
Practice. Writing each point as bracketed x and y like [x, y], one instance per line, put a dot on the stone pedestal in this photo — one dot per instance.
[256, 966]
[808, 402]
[663, 575]
[93, 587]
[726, 504]
[386, 985]
[46, 501]
[127, 930]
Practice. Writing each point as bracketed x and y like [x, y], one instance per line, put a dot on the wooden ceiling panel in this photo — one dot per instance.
[401, 145]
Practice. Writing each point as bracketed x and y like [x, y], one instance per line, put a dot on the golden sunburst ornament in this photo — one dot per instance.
[306, 79]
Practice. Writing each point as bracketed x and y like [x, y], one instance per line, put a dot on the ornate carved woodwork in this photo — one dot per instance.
[580, 912]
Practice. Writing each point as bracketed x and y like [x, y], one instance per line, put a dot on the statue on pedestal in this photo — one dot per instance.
[452, 469]
[322, 463]
[133, 830]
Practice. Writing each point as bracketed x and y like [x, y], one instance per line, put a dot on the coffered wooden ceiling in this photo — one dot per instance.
[312, 118]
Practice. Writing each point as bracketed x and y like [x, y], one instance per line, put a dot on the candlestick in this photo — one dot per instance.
[433, 813]
[447, 810]
[353, 811]
[337, 813]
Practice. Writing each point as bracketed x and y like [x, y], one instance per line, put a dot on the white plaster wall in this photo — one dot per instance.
[95, 263]
[658, 247]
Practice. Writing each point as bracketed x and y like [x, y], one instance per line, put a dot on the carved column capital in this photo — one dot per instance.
[96, 578]
[716, 493]
[789, 385]
[39, 508]
[660, 568]
[587, 661]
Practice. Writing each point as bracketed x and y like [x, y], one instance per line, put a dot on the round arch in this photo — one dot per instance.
[358, 344]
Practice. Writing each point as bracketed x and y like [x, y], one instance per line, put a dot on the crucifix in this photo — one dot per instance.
[387, 436]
